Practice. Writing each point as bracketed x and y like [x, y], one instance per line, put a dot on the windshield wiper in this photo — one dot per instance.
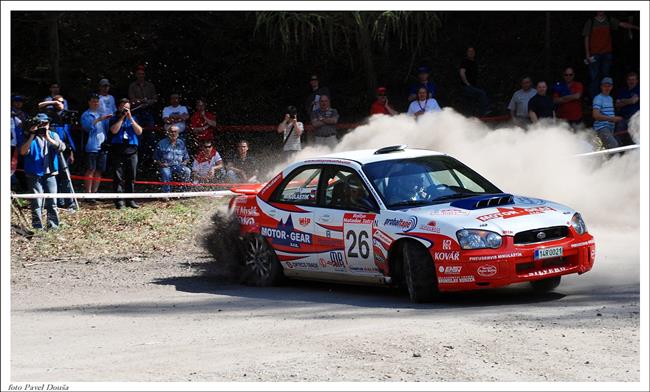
[410, 203]
[459, 195]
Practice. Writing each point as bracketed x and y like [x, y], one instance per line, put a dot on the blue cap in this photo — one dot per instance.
[607, 80]
[42, 117]
[424, 69]
[17, 98]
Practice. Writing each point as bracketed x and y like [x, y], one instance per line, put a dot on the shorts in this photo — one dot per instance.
[96, 161]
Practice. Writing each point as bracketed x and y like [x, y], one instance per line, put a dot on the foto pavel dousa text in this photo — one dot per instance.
[38, 387]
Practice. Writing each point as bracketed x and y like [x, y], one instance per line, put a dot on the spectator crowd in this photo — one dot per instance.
[117, 135]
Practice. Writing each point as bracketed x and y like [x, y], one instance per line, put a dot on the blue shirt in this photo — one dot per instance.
[431, 88]
[96, 132]
[628, 111]
[64, 134]
[126, 134]
[171, 154]
[605, 105]
[43, 157]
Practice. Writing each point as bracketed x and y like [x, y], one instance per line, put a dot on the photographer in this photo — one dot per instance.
[96, 152]
[41, 150]
[291, 129]
[62, 120]
[124, 132]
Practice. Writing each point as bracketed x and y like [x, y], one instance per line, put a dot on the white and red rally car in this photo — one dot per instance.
[405, 216]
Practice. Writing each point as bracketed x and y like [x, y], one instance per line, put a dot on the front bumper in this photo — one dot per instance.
[480, 269]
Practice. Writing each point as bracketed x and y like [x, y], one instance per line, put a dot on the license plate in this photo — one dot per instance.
[548, 253]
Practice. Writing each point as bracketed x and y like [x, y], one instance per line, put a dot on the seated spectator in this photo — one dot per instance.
[468, 71]
[541, 105]
[518, 105]
[423, 104]
[291, 130]
[41, 149]
[172, 158]
[242, 168]
[96, 154]
[202, 124]
[627, 105]
[208, 165]
[567, 96]
[142, 94]
[175, 114]
[423, 81]
[324, 121]
[603, 114]
[381, 106]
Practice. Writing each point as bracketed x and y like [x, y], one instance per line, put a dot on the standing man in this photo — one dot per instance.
[202, 124]
[291, 130]
[603, 114]
[41, 150]
[518, 105]
[55, 89]
[381, 106]
[124, 132]
[627, 105]
[96, 154]
[314, 96]
[324, 121]
[142, 94]
[423, 81]
[468, 72]
[597, 33]
[175, 114]
[172, 158]
[567, 96]
[541, 105]
[106, 101]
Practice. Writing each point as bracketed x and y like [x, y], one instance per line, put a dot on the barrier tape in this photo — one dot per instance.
[170, 195]
[609, 151]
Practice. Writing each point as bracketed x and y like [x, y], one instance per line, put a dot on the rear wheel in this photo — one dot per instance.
[262, 265]
[546, 285]
[419, 273]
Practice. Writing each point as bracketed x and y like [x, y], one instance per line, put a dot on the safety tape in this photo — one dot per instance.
[609, 151]
[170, 195]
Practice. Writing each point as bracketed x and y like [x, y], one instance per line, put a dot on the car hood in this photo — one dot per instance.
[519, 214]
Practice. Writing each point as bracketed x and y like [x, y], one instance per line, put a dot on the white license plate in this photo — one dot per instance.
[548, 253]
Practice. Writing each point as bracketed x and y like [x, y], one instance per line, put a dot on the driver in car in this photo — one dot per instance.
[407, 188]
[355, 194]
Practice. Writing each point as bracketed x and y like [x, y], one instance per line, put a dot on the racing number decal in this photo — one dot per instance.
[357, 229]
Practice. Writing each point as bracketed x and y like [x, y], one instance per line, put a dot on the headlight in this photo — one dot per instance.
[478, 239]
[578, 224]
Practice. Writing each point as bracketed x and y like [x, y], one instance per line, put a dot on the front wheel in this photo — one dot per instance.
[261, 264]
[419, 273]
[546, 285]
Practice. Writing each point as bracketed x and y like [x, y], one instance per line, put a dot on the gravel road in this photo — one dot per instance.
[176, 318]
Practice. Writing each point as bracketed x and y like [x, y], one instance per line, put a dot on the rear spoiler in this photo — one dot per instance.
[247, 189]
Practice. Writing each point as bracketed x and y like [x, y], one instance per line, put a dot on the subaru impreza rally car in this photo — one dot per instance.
[398, 216]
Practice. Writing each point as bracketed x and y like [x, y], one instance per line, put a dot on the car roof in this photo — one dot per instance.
[369, 156]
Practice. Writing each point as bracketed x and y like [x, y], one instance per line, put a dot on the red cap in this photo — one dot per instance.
[140, 67]
[381, 90]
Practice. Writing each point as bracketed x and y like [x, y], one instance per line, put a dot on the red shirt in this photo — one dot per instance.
[572, 110]
[378, 108]
[197, 121]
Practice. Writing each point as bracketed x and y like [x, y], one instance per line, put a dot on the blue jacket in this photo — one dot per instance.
[96, 132]
[36, 161]
[64, 134]
[126, 128]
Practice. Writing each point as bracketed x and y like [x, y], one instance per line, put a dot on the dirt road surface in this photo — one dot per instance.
[173, 318]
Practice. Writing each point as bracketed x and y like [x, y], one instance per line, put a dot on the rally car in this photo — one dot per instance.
[411, 217]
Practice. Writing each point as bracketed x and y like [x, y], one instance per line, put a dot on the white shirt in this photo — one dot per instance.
[519, 102]
[106, 105]
[430, 105]
[202, 169]
[169, 110]
[293, 144]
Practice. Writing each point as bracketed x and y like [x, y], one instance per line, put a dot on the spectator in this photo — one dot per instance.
[423, 104]
[243, 167]
[106, 101]
[172, 158]
[18, 117]
[175, 114]
[567, 96]
[142, 94]
[208, 165]
[627, 104]
[55, 89]
[541, 105]
[597, 33]
[124, 131]
[469, 77]
[324, 121]
[17, 112]
[518, 105]
[202, 123]
[423, 81]
[291, 130]
[55, 109]
[314, 96]
[41, 150]
[603, 114]
[96, 154]
[381, 106]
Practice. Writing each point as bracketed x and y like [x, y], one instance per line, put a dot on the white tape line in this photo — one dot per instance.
[609, 151]
[122, 195]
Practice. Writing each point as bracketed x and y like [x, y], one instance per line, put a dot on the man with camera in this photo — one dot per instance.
[41, 150]
[291, 130]
[124, 132]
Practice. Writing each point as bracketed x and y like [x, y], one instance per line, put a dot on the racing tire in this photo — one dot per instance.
[261, 264]
[546, 285]
[419, 273]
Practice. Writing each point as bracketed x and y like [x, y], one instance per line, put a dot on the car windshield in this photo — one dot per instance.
[425, 180]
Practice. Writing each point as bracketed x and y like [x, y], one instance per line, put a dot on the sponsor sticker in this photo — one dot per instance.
[495, 257]
[528, 200]
[304, 221]
[405, 225]
[285, 234]
[446, 244]
[271, 183]
[450, 269]
[246, 220]
[247, 211]
[456, 279]
[446, 256]
[450, 211]
[486, 270]
[507, 213]
[430, 226]
[579, 244]
[546, 271]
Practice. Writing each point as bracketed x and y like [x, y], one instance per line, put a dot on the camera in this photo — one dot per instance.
[69, 117]
[121, 112]
[292, 111]
[40, 131]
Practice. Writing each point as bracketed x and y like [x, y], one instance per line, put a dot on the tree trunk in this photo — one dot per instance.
[54, 46]
[365, 51]
[547, 47]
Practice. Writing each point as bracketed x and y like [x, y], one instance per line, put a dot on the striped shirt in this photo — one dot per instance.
[605, 105]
